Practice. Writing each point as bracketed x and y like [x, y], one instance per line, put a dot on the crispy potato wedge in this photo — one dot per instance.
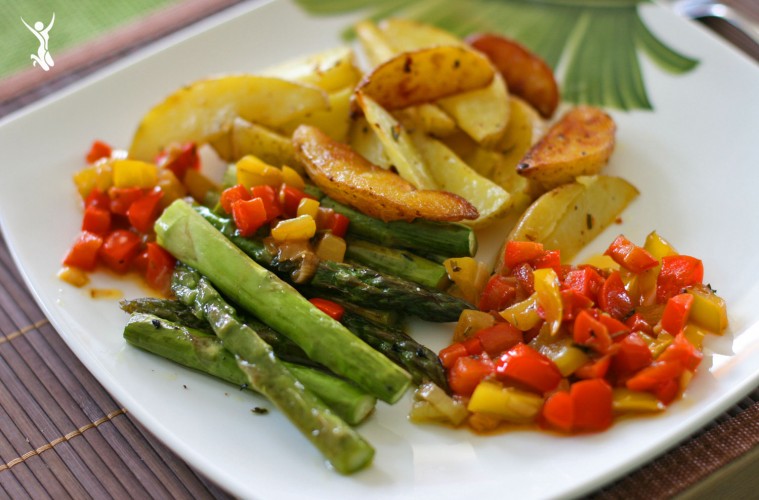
[570, 216]
[482, 113]
[427, 118]
[349, 178]
[206, 107]
[398, 145]
[580, 143]
[426, 75]
[453, 175]
[245, 138]
[526, 74]
[405, 35]
[334, 121]
[367, 143]
[374, 45]
[330, 70]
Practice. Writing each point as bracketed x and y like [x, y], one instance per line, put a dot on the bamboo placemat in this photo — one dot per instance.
[63, 436]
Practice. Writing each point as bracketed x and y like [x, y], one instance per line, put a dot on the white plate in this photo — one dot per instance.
[694, 159]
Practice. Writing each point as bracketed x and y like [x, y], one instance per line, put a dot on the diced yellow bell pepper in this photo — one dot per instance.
[658, 247]
[73, 276]
[331, 247]
[292, 178]
[627, 401]
[708, 310]
[523, 315]
[299, 228]
[171, 187]
[134, 173]
[695, 335]
[661, 342]
[308, 206]
[470, 322]
[252, 171]
[468, 274]
[549, 297]
[98, 175]
[559, 349]
[510, 404]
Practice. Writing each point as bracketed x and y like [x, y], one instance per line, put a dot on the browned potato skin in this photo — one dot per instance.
[580, 143]
[349, 178]
[526, 74]
[426, 75]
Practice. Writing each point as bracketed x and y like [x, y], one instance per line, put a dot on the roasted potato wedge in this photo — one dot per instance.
[334, 121]
[245, 138]
[330, 70]
[427, 118]
[405, 35]
[580, 143]
[570, 216]
[349, 178]
[426, 75]
[526, 74]
[206, 107]
[399, 147]
[367, 143]
[374, 45]
[452, 174]
[482, 113]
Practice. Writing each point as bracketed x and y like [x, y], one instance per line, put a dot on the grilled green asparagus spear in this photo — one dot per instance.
[202, 351]
[397, 262]
[345, 449]
[194, 241]
[176, 312]
[423, 364]
[453, 240]
[354, 283]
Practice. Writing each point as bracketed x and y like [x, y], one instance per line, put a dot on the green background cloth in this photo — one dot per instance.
[76, 21]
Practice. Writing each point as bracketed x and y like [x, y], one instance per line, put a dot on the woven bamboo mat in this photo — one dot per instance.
[63, 436]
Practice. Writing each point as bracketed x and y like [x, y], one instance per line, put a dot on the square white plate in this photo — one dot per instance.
[694, 159]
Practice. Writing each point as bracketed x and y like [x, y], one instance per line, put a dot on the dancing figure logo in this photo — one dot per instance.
[42, 57]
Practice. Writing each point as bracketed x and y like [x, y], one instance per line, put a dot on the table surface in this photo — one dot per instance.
[63, 436]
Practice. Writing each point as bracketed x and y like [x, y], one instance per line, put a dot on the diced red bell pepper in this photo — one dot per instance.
[632, 355]
[249, 215]
[614, 299]
[616, 328]
[144, 211]
[683, 351]
[499, 338]
[98, 198]
[233, 194]
[666, 392]
[530, 368]
[592, 403]
[270, 199]
[594, 369]
[338, 224]
[467, 372]
[655, 374]
[498, 293]
[450, 354]
[122, 198]
[98, 150]
[84, 252]
[676, 312]
[521, 252]
[677, 272]
[289, 197]
[589, 331]
[632, 257]
[572, 303]
[473, 346]
[548, 259]
[180, 159]
[159, 267]
[637, 323]
[328, 307]
[119, 249]
[558, 411]
[96, 220]
[525, 278]
[584, 280]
